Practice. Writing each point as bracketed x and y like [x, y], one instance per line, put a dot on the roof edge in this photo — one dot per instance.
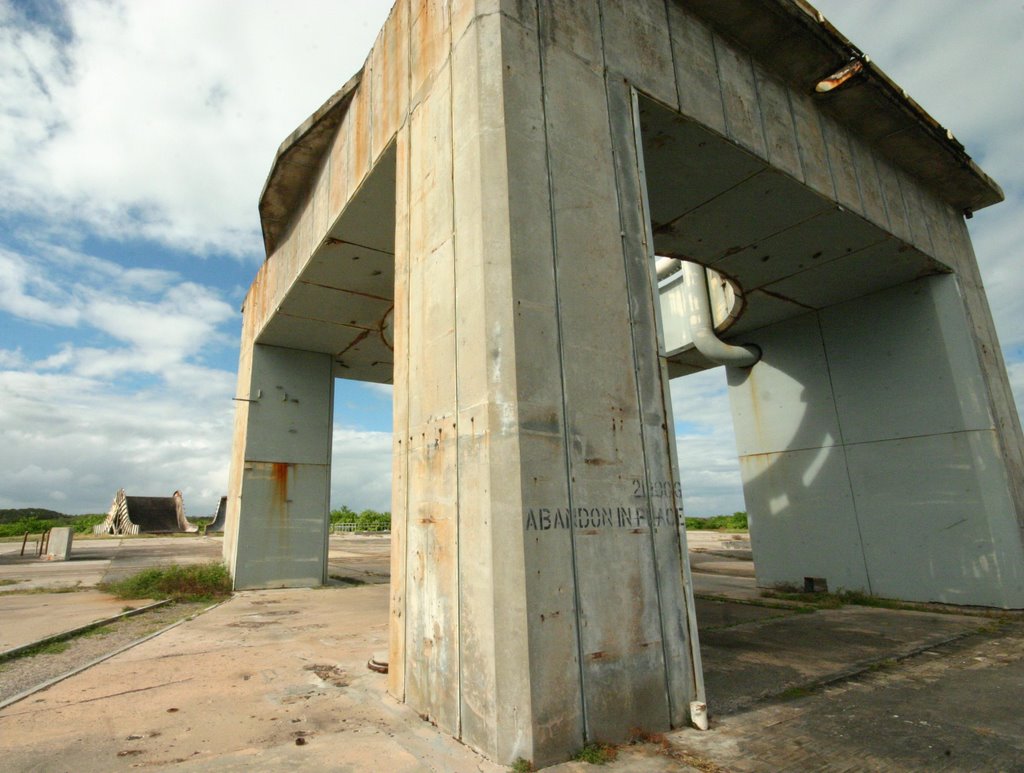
[289, 179]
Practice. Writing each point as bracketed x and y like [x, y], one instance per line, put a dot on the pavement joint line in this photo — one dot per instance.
[69, 634]
[96, 661]
[846, 674]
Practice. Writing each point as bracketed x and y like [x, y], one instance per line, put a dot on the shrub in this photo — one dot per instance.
[198, 582]
[737, 520]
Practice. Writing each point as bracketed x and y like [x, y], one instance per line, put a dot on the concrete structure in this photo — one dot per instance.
[145, 515]
[58, 545]
[219, 518]
[475, 216]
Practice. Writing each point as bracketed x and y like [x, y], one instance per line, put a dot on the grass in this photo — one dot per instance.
[596, 754]
[46, 648]
[197, 582]
[44, 589]
[522, 766]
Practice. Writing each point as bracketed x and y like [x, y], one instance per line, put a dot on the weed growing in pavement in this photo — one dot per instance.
[522, 766]
[596, 754]
[197, 582]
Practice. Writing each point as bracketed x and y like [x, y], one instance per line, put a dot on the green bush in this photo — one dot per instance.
[737, 520]
[367, 520]
[197, 582]
[34, 524]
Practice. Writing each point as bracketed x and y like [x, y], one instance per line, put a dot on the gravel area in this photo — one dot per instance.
[25, 672]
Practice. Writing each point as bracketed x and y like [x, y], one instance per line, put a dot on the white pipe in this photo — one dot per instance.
[702, 326]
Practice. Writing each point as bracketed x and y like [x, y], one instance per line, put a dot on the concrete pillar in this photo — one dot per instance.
[872, 456]
[58, 547]
[279, 488]
[538, 596]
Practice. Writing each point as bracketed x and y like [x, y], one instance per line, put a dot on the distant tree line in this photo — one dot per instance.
[36, 520]
[367, 520]
[737, 520]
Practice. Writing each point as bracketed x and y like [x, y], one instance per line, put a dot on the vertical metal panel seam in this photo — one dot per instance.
[632, 348]
[455, 357]
[330, 455]
[885, 199]
[718, 75]
[693, 644]
[760, 111]
[796, 134]
[566, 440]
[828, 156]
[842, 444]
[672, 54]
[408, 322]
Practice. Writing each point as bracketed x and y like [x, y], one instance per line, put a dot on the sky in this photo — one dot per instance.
[135, 138]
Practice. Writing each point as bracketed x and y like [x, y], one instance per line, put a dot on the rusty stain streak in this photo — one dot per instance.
[280, 477]
[346, 325]
[359, 339]
[334, 241]
[782, 297]
[599, 655]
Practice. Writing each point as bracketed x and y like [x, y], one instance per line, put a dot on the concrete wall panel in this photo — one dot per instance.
[401, 435]
[784, 402]
[932, 511]
[293, 396]
[779, 128]
[803, 522]
[637, 45]
[739, 96]
[910, 386]
[283, 533]
[693, 52]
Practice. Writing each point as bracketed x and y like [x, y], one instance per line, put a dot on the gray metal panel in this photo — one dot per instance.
[933, 512]
[802, 518]
[283, 530]
[784, 402]
[903, 363]
[289, 418]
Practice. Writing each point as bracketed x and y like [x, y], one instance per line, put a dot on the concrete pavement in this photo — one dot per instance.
[277, 679]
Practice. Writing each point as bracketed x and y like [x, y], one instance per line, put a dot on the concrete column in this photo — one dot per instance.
[279, 489]
[871, 456]
[538, 598]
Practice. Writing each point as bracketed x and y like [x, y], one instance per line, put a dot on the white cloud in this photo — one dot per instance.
[708, 465]
[161, 119]
[69, 439]
[961, 63]
[27, 293]
[361, 469]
